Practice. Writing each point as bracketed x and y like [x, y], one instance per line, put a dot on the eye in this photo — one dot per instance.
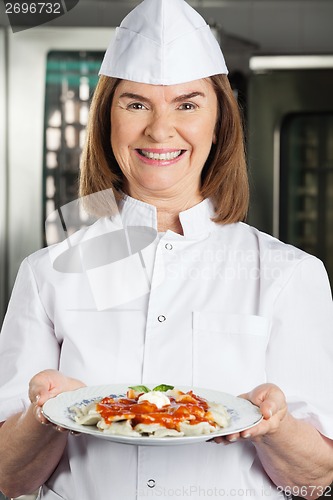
[136, 106]
[188, 106]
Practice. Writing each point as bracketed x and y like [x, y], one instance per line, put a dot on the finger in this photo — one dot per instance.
[75, 433]
[42, 384]
[44, 421]
[245, 395]
[38, 413]
[42, 397]
[219, 440]
[232, 438]
[268, 408]
[35, 400]
[45, 395]
[273, 404]
[61, 429]
[247, 434]
[38, 393]
[34, 393]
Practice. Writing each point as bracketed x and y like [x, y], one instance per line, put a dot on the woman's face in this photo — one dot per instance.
[162, 135]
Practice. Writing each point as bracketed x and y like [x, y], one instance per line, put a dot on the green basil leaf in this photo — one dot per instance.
[163, 387]
[139, 388]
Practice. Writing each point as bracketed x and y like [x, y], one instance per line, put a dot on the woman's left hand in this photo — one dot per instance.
[272, 403]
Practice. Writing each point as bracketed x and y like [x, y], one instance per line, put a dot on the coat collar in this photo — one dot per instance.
[196, 221]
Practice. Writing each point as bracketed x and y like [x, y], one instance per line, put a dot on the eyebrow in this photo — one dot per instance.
[191, 95]
[180, 98]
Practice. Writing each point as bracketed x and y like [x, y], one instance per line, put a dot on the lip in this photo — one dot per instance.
[159, 163]
[160, 151]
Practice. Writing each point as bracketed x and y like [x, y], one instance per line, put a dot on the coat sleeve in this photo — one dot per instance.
[300, 351]
[27, 343]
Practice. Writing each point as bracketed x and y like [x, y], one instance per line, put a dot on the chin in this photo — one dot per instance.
[159, 185]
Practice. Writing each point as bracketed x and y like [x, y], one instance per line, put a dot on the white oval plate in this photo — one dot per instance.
[244, 414]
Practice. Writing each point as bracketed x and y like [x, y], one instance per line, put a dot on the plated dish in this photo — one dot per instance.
[208, 414]
[162, 411]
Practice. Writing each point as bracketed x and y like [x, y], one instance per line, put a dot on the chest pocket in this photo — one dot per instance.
[229, 351]
[101, 347]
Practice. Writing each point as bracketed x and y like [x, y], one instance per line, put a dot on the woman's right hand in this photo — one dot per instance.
[29, 451]
[46, 385]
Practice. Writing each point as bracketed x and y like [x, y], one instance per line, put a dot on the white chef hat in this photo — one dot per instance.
[163, 42]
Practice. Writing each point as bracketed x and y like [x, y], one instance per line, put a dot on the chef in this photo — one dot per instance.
[169, 287]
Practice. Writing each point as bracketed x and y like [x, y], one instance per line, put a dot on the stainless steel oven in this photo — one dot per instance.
[290, 124]
[23, 72]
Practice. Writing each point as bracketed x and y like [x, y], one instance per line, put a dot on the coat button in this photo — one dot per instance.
[151, 483]
[161, 318]
[168, 246]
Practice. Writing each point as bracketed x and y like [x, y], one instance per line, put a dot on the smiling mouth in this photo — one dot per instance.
[170, 155]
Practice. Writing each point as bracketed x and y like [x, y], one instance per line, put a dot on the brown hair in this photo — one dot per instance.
[224, 176]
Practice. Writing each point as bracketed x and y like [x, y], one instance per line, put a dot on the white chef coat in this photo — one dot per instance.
[229, 308]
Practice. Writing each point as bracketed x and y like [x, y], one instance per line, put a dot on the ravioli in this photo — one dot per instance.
[171, 413]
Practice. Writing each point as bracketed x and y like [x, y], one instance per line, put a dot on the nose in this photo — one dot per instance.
[160, 127]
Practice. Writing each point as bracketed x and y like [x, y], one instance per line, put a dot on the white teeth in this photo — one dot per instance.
[162, 156]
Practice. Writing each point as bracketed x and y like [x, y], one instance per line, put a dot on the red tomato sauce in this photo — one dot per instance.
[191, 408]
